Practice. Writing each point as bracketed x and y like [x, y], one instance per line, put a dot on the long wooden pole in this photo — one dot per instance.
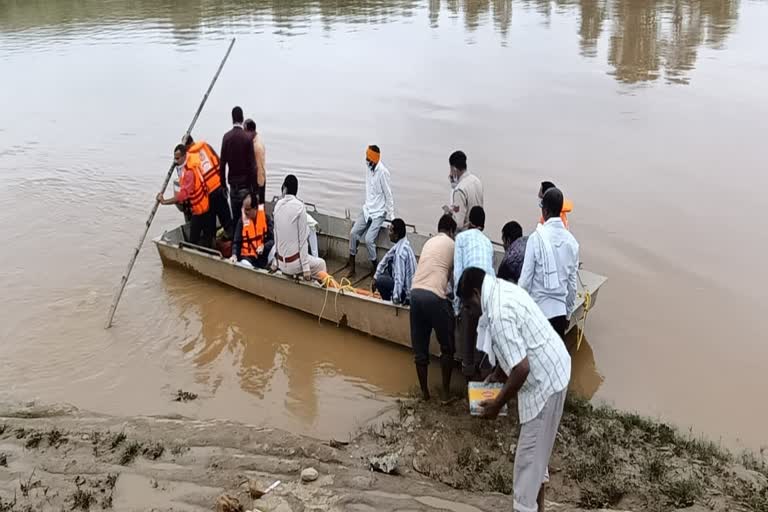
[124, 278]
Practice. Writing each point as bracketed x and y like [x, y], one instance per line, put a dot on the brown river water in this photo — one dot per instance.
[649, 114]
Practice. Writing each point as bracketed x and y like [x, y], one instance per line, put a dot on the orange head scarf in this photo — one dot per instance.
[372, 155]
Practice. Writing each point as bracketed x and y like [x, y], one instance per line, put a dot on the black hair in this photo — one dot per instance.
[250, 125]
[471, 279]
[552, 202]
[458, 160]
[181, 148]
[375, 148]
[237, 115]
[546, 185]
[291, 184]
[446, 223]
[188, 140]
[477, 216]
[511, 231]
[399, 226]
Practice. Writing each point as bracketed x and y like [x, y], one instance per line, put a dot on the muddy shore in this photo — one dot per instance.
[60, 458]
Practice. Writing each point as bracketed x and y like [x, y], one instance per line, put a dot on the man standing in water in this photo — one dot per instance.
[378, 207]
[192, 189]
[260, 154]
[533, 363]
[466, 189]
[237, 155]
[551, 264]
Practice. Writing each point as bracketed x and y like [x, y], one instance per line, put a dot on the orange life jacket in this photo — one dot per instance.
[198, 199]
[567, 208]
[253, 233]
[209, 163]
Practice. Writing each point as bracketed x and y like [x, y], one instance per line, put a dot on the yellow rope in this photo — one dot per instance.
[328, 282]
[587, 307]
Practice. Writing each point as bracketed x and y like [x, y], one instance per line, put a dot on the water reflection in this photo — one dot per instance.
[643, 39]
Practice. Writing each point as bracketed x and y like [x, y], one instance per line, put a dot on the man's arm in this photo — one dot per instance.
[529, 264]
[458, 268]
[514, 382]
[303, 233]
[398, 270]
[261, 163]
[462, 204]
[252, 163]
[570, 298]
[223, 161]
[383, 263]
[388, 199]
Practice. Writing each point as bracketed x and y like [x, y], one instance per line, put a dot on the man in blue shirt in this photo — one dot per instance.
[473, 249]
[394, 274]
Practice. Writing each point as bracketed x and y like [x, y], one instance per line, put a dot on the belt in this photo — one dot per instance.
[289, 259]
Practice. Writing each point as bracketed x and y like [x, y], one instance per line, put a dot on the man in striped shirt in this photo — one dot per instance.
[535, 366]
[394, 274]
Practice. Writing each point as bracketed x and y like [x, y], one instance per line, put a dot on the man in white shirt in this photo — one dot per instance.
[551, 263]
[466, 189]
[379, 206]
[533, 363]
[291, 235]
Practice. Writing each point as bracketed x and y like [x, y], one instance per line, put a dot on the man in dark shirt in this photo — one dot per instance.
[514, 252]
[237, 155]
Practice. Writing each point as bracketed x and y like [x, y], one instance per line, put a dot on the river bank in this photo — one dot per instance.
[59, 458]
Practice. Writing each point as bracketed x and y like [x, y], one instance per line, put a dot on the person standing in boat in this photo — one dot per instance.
[473, 249]
[291, 235]
[466, 190]
[252, 242]
[217, 195]
[533, 364]
[430, 307]
[551, 264]
[260, 154]
[238, 158]
[514, 252]
[379, 206]
[567, 203]
[394, 274]
[192, 189]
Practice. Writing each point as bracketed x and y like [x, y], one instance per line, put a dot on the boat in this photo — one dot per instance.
[361, 312]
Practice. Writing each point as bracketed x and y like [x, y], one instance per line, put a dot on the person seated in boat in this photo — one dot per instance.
[202, 224]
[217, 195]
[430, 307]
[252, 242]
[551, 264]
[514, 252]
[378, 207]
[291, 235]
[473, 249]
[394, 274]
[567, 203]
[260, 154]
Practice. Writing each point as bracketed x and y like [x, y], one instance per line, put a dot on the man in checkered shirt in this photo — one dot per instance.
[533, 362]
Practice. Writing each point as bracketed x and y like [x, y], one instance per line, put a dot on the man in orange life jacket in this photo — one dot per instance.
[567, 203]
[202, 225]
[253, 241]
[217, 193]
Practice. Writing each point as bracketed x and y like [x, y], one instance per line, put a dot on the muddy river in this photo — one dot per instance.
[649, 114]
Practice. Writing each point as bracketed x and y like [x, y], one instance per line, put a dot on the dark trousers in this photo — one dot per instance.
[385, 284]
[236, 195]
[428, 312]
[468, 332]
[560, 324]
[262, 260]
[202, 229]
[220, 208]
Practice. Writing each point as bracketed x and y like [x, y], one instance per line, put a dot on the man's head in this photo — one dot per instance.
[545, 185]
[458, 165]
[250, 125]
[511, 232]
[477, 218]
[290, 185]
[470, 289]
[180, 154]
[552, 203]
[187, 140]
[396, 230]
[447, 225]
[250, 207]
[237, 115]
[372, 156]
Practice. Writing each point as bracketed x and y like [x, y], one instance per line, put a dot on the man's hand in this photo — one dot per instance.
[159, 198]
[307, 276]
[233, 258]
[489, 409]
[260, 249]
[497, 375]
[373, 286]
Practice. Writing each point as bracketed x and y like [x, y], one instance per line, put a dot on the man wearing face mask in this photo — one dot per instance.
[466, 189]
[379, 206]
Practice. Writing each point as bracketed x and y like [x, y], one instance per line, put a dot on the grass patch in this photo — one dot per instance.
[56, 438]
[655, 467]
[179, 449]
[154, 451]
[3, 460]
[500, 480]
[33, 441]
[7, 506]
[111, 480]
[682, 493]
[130, 453]
[3, 428]
[606, 494]
[82, 500]
[20, 433]
[117, 440]
[184, 396]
